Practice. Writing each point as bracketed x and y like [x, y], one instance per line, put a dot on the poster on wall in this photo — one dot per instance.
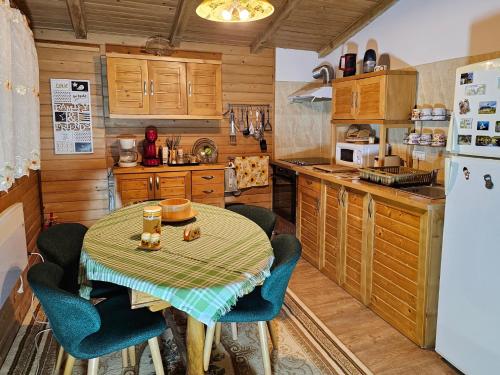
[72, 116]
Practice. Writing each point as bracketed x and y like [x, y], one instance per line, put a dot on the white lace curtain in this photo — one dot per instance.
[19, 101]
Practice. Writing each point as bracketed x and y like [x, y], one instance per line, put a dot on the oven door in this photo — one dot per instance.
[284, 193]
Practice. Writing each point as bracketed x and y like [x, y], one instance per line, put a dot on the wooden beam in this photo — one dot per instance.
[364, 20]
[280, 16]
[77, 15]
[185, 9]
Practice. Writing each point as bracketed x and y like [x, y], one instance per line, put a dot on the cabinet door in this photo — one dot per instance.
[343, 100]
[135, 187]
[353, 276]
[309, 219]
[332, 240]
[370, 98]
[128, 86]
[173, 185]
[395, 263]
[204, 89]
[167, 88]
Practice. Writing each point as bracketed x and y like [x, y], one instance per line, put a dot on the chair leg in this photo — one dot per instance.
[264, 347]
[207, 350]
[70, 362]
[60, 356]
[93, 366]
[218, 328]
[124, 357]
[273, 332]
[155, 354]
[234, 331]
[131, 355]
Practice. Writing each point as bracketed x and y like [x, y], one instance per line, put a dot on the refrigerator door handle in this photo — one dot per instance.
[450, 174]
[451, 134]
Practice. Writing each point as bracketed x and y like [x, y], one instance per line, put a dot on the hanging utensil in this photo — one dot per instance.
[246, 131]
[232, 133]
[251, 128]
[267, 126]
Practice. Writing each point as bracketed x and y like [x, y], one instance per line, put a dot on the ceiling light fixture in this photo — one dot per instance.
[234, 10]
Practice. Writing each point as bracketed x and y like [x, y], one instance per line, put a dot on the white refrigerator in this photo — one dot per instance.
[468, 322]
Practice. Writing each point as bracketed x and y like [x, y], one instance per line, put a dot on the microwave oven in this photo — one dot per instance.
[356, 155]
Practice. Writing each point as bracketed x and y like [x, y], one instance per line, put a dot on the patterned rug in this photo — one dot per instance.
[306, 347]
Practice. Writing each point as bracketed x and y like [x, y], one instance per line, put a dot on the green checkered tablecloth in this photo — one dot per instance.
[203, 277]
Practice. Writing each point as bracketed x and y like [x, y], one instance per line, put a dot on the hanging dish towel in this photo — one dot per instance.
[252, 171]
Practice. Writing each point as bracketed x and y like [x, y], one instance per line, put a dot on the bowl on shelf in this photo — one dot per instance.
[176, 209]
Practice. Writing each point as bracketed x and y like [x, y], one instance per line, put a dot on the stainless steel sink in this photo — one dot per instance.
[433, 192]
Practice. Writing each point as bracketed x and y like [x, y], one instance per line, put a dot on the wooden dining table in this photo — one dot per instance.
[203, 277]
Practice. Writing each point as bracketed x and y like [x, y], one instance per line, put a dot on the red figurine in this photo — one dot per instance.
[150, 158]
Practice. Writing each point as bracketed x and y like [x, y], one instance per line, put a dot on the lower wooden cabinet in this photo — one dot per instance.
[202, 186]
[332, 235]
[173, 185]
[353, 227]
[308, 218]
[384, 253]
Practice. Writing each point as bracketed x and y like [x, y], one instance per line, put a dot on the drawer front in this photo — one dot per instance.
[311, 183]
[208, 177]
[207, 190]
[212, 201]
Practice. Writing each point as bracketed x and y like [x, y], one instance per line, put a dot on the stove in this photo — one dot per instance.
[308, 161]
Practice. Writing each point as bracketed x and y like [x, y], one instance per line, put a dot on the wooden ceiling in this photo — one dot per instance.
[318, 25]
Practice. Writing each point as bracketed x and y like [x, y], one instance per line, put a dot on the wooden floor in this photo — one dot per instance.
[379, 346]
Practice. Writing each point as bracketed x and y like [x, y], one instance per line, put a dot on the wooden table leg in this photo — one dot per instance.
[195, 341]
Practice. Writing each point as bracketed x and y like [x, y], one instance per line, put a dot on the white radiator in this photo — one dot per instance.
[13, 252]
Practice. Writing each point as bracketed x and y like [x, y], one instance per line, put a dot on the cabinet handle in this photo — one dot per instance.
[318, 205]
[157, 183]
[208, 191]
[152, 88]
[208, 177]
[339, 199]
[145, 87]
[370, 208]
[352, 99]
[190, 89]
[151, 183]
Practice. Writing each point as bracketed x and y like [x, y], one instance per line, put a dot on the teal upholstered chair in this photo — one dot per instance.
[62, 244]
[88, 331]
[263, 217]
[264, 303]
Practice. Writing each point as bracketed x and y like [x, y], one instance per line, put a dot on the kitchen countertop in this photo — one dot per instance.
[347, 180]
[167, 168]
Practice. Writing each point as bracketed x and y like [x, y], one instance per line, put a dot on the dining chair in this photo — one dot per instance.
[88, 331]
[62, 244]
[263, 217]
[264, 303]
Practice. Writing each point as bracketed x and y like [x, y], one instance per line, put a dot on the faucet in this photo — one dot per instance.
[434, 175]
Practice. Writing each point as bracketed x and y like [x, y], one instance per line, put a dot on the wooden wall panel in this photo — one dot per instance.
[74, 187]
[26, 191]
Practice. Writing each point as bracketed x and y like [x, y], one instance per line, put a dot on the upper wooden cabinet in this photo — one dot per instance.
[204, 89]
[127, 86]
[381, 96]
[167, 88]
[164, 88]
